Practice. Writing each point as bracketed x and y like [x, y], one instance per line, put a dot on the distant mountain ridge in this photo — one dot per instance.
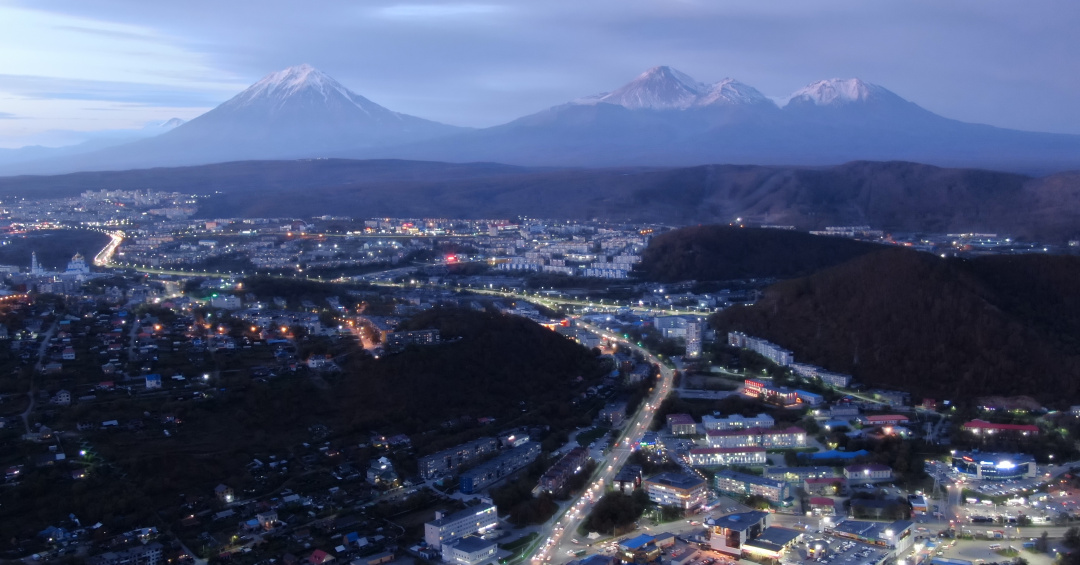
[661, 118]
[666, 118]
[898, 196]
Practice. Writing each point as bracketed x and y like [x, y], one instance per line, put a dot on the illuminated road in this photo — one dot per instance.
[105, 256]
[554, 547]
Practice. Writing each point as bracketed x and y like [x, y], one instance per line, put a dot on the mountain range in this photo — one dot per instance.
[661, 118]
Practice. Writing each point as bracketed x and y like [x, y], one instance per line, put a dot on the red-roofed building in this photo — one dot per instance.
[715, 456]
[824, 485]
[884, 420]
[982, 427]
[318, 557]
[822, 506]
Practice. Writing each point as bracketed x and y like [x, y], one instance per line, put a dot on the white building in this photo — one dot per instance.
[787, 438]
[449, 528]
[717, 456]
[677, 490]
[693, 338]
[470, 550]
[737, 422]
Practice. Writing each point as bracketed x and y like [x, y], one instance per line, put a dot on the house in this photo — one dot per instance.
[224, 493]
[267, 520]
[62, 398]
[628, 479]
[68, 354]
[318, 557]
[153, 381]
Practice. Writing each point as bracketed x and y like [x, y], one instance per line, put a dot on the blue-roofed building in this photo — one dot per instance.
[834, 455]
[809, 398]
[727, 534]
[639, 549]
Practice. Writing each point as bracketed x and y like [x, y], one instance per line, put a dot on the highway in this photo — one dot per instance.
[557, 543]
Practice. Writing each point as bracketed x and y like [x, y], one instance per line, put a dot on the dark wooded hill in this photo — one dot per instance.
[714, 253]
[896, 196]
[942, 328]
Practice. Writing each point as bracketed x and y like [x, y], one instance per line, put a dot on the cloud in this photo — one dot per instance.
[8, 116]
[410, 11]
[51, 88]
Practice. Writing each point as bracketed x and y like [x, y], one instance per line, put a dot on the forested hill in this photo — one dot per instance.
[941, 328]
[505, 367]
[711, 253]
[897, 196]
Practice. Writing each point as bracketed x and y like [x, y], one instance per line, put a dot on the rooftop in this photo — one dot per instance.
[873, 531]
[678, 480]
[472, 544]
[636, 542]
[740, 521]
[984, 425]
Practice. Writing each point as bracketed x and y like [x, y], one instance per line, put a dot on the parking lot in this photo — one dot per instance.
[980, 552]
[833, 551]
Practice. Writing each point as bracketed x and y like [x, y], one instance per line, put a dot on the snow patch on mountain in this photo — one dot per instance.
[665, 88]
[732, 92]
[839, 92]
[303, 83]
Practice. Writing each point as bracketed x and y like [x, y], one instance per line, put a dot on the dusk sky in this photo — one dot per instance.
[73, 66]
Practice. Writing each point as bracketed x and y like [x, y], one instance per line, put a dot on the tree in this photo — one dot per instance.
[1042, 543]
[1072, 538]
[757, 501]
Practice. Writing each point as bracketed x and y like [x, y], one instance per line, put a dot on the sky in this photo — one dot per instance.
[75, 70]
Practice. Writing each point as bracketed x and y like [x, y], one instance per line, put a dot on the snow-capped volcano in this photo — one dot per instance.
[840, 92]
[293, 113]
[665, 88]
[659, 88]
[303, 89]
